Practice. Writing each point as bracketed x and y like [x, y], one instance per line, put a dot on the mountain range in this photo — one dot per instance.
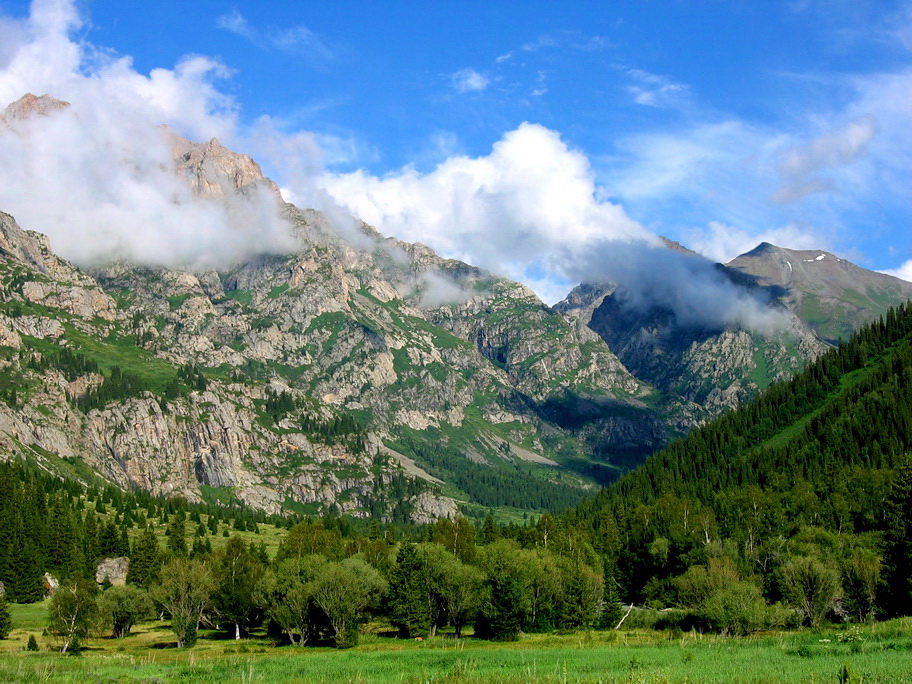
[362, 374]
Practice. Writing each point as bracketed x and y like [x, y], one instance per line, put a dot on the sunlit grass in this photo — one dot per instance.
[882, 653]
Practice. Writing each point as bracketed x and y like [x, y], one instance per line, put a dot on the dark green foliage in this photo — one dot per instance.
[177, 536]
[145, 560]
[489, 486]
[6, 620]
[117, 386]
[817, 452]
[898, 544]
[32, 643]
[611, 608]
[193, 377]
[409, 601]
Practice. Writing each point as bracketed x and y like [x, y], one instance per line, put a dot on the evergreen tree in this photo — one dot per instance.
[177, 536]
[611, 606]
[145, 560]
[489, 532]
[6, 619]
[408, 604]
[898, 544]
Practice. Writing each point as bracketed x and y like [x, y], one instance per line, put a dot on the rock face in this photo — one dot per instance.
[353, 373]
[112, 569]
[702, 371]
[31, 105]
[287, 380]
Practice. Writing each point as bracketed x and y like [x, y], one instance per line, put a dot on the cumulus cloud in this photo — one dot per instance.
[469, 81]
[688, 285]
[531, 210]
[904, 272]
[98, 177]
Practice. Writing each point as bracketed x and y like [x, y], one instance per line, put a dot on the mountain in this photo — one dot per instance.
[344, 370]
[832, 296]
[354, 371]
[705, 370]
[800, 478]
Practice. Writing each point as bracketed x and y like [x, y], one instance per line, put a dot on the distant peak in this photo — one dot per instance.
[762, 248]
[29, 105]
[675, 246]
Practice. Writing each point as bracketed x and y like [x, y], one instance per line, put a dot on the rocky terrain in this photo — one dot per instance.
[359, 373]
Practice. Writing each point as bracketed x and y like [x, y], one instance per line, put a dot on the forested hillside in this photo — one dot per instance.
[794, 509]
[792, 497]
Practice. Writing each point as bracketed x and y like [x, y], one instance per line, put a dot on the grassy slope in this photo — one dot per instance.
[880, 653]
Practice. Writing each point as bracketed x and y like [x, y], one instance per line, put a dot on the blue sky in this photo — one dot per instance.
[516, 135]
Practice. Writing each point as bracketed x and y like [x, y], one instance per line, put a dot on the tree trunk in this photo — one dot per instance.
[237, 631]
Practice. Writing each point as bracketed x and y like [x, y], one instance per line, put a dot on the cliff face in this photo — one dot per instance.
[353, 371]
[703, 372]
[286, 380]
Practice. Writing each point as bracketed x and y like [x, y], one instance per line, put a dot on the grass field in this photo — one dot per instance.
[878, 653]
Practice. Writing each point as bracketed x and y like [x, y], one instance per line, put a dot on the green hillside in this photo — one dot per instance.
[802, 482]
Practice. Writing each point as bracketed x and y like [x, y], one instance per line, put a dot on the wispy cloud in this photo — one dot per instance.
[469, 81]
[297, 40]
[655, 90]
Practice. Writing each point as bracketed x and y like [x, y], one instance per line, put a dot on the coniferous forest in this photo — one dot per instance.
[793, 510]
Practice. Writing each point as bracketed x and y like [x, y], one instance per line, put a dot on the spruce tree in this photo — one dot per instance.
[145, 560]
[177, 536]
[408, 603]
[898, 544]
[6, 619]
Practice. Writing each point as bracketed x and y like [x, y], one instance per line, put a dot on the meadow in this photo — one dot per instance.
[873, 653]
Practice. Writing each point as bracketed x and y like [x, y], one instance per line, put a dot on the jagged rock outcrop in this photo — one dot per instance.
[350, 372]
[30, 105]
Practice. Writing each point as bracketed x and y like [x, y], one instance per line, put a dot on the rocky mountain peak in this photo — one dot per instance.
[832, 295]
[215, 171]
[30, 105]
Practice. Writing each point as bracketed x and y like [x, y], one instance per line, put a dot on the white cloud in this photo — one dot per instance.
[469, 81]
[531, 210]
[722, 243]
[654, 90]
[531, 196]
[800, 165]
[298, 40]
[904, 272]
[98, 177]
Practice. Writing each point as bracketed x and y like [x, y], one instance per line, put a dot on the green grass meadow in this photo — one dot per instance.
[878, 653]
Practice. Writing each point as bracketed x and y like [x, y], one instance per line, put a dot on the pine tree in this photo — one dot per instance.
[408, 604]
[898, 544]
[177, 536]
[611, 606]
[145, 560]
[6, 619]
